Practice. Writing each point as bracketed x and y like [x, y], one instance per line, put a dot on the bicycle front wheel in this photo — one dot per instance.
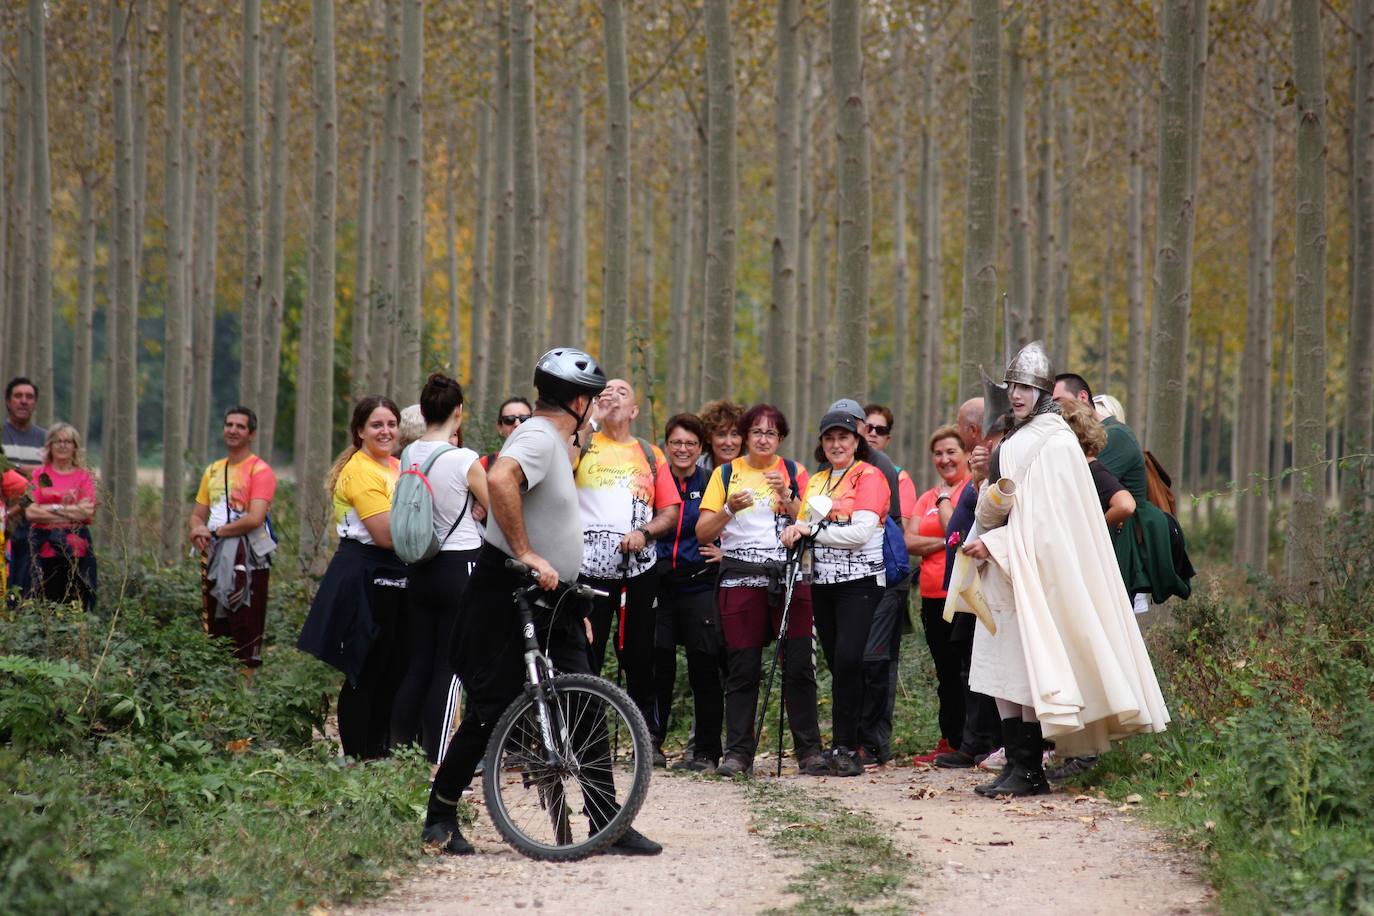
[575, 799]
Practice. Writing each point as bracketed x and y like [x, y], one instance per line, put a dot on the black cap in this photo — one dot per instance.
[839, 419]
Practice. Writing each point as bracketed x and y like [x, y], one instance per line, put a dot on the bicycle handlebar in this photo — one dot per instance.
[576, 588]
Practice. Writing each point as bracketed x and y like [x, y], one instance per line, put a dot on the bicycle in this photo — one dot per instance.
[550, 756]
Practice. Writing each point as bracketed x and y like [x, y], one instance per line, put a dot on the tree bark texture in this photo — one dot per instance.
[1018, 204]
[479, 301]
[1169, 334]
[570, 296]
[806, 224]
[1108, 290]
[251, 324]
[977, 335]
[615, 304]
[718, 364]
[1043, 278]
[83, 340]
[363, 285]
[1061, 347]
[1135, 264]
[410, 204]
[642, 328]
[901, 297]
[1279, 456]
[525, 161]
[498, 379]
[782, 313]
[41, 327]
[203, 334]
[455, 315]
[175, 354]
[21, 202]
[122, 438]
[384, 318]
[679, 314]
[1194, 469]
[1210, 474]
[1305, 548]
[274, 301]
[1359, 386]
[854, 199]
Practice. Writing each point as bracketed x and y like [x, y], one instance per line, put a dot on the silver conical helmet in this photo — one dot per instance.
[1032, 366]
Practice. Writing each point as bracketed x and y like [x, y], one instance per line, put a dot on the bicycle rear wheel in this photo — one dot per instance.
[587, 798]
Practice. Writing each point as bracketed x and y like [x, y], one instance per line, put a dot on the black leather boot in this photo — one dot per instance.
[1011, 734]
[1028, 775]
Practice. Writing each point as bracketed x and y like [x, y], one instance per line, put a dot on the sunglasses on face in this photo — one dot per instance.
[881, 430]
[514, 419]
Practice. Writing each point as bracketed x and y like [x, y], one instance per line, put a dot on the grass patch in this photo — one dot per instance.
[850, 866]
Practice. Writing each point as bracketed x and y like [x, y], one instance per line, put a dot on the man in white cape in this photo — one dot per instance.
[1067, 661]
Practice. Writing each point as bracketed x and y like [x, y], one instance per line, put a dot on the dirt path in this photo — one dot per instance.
[1058, 853]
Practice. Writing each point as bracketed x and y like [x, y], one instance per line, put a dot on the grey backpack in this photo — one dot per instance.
[412, 510]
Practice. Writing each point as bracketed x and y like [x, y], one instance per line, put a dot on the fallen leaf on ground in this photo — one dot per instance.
[1133, 799]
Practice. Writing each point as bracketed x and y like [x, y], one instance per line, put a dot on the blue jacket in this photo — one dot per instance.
[679, 555]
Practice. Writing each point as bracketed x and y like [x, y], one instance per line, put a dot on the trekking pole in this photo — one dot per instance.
[620, 643]
[790, 570]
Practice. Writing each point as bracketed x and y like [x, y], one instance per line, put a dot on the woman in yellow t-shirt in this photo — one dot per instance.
[356, 622]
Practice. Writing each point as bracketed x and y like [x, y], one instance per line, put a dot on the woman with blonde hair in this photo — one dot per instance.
[357, 619]
[62, 509]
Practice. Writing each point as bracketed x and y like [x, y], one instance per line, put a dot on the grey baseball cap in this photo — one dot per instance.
[848, 406]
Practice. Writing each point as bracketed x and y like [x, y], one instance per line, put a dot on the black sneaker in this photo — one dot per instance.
[733, 766]
[954, 760]
[634, 843]
[844, 763]
[1074, 766]
[660, 760]
[447, 836]
[814, 764]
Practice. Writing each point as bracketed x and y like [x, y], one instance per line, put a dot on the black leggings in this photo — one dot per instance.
[844, 617]
[951, 658]
[427, 699]
[636, 656]
[690, 619]
[365, 708]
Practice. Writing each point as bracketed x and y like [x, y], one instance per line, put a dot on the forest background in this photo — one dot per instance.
[290, 204]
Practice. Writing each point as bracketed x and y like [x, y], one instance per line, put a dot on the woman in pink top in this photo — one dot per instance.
[63, 505]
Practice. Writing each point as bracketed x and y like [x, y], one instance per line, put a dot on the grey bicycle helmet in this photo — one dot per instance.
[564, 373]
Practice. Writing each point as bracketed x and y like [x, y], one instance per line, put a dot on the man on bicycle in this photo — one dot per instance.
[537, 520]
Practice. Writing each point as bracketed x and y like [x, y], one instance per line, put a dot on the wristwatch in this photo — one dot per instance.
[648, 538]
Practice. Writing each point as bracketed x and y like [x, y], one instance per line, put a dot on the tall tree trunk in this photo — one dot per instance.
[122, 437]
[83, 343]
[1305, 549]
[525, 164]
[928, 242]
[679, 313]
[274, 303]
[5, 204]
[1359, 386]
[203, 336]
[21, 202]
[1169, 335]
[410, 203]
[642, 330]
[977, 336]
[300, 431]
[321, 306]
[782, 314]
[1194, 475]
[1279, 456]
[1210, 477]
[1104, 339]
[1197, 88]
[1135, 264]
[498, 380]
[567, 331]
[455, 317]
[251, 323]
[479, 320]
[1063, 273]
[901, 297]
[1018, 205]
[175, 354]
[722, 193]
[42, 325]
[806, 221]
[360, 371]
[1044, 187]
[699, 295]
[823, 303]
[854, 197]
[615, 306]
[383, 321]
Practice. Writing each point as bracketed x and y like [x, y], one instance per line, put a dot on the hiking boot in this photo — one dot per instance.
[660, 760]
[954, 760]
[868, 759]
[929, 757]
[813, 764]
[1027, 775]
[734, 766]
[1011, 735]
[446, 835]
[634, 843]
[844, 763]
[1070, 768]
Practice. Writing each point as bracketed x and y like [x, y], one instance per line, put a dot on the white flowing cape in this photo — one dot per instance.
[1091, 677]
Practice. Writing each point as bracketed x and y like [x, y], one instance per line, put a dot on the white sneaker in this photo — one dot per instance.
[994, 761]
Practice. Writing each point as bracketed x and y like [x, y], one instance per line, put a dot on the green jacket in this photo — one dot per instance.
[1123, 458]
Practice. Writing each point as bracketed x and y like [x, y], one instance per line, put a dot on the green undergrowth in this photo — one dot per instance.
[849, 865]
[139, 772]
[1267, 770]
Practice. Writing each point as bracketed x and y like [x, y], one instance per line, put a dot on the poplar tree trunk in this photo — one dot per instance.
[823, 308]
[806, 221]
[121, 440]
[498, 379]
[383, 320]
[410, 204]
[1169, 336]
[1196, 96]
[782, 313]
[203, 336]
[1305, 549]
[140, 32]
[455, 318]
[1135, 265]
[251, 324]
[718, 363]
[698, 296]
[175, 310]
[1210, 475]
[1018, 205]
[5, 204]
[21, 202]
[1044, 188]
[1279, 456]
[314, 523]
[570, 296]
[1104, 338]
[1063, 273]
[615, 306]
[359, 370]
[642, 333]
[1194, 475]
[679, 314]
[525, 162]
[42, 325]
[1359, 386]
[928, 242]
[83, 343]
[977, 336]
[901, 297]
[854, 197]
[479, 320]
[274, 303]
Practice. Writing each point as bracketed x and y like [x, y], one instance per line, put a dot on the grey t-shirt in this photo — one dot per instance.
[553, 518]
[24, 447]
